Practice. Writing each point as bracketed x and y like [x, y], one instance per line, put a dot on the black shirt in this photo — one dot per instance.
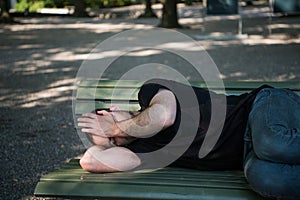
[227, 152]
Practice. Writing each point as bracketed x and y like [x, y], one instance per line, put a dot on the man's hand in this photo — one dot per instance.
[102, 125]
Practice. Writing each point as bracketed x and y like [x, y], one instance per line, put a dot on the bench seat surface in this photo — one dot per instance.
[167, 183]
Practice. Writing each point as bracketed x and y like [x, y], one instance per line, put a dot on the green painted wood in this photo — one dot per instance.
[163, 179]
[156, 182]
[121, 97]
[228, 84]
[167, 183]
[137, 191]
[127, 90]
[166, 178]
[244, 85]
[109, 94]
[132, 191]
[110, 83]
[88, 106]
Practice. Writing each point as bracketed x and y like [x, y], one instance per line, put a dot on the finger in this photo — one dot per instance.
[85, 119]
[93, 132]
[87, 125]
[90, 124]
[90, 115]
[103, 112]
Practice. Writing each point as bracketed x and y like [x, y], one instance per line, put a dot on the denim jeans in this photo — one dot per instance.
[272, 144]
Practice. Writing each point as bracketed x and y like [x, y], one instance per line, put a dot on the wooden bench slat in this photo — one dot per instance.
[122, 97]
[120, 191]
[110, 83]
[230, 85]
[109, 94]
[98, 91]
[169, 174]
[166, 174]
[88, 106]
[158, 181]
[75, 174]
[249, 85]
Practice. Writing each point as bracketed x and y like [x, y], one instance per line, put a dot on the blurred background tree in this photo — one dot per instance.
[148, 9]
[80, 8]
[4, 12]
[169, 14]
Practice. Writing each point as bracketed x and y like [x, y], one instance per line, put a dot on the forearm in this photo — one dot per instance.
[98, 160]
[160, 114]
[146, 124]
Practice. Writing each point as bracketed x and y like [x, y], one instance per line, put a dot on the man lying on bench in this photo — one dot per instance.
[258, 132]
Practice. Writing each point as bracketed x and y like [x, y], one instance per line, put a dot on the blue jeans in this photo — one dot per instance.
[272, 144]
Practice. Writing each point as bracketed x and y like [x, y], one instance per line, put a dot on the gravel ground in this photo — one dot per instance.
[39, 59]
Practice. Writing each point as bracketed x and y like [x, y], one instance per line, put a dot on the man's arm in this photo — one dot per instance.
[98, 159]
[106, 157]
[160, 114]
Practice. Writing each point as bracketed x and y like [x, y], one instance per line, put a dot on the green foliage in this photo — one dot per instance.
[108, 3]
[22, 5]
[114, 3]
[188, 2]
[29, 5]
[34, 5]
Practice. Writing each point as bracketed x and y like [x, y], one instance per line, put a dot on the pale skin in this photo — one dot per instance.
[111, 130]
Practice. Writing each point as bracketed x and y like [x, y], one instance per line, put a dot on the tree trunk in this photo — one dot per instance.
[4, 15]
[80, 7]
[148, 10]
[169, 17]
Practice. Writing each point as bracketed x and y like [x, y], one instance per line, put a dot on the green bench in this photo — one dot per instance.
[169, 183]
